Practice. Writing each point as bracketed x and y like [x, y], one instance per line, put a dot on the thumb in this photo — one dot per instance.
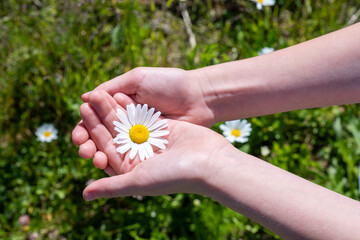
[110, 187]
[126, 83]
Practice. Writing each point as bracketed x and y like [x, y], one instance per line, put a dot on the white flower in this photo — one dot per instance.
[265, 50]
[138, 130]
[265, 150]
[260, 3]
[236, 131]
[138, 197]
[46, 133]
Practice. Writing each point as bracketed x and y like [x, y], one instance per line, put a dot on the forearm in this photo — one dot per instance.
[320, 72]
[284, 203]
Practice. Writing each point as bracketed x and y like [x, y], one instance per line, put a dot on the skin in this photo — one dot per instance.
[321, 72]
[300, 210]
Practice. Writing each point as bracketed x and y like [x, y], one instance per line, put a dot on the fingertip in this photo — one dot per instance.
[85, 96]
[88, 196]
[100, 160]
[87, 150]
[110, 187]
[96, 97]
[123, 100]
[110, 171]
[84, 110]
[79, 135]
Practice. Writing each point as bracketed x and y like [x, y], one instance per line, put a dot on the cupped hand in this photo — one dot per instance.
[175, 92]
[98, 115]
[191, 156]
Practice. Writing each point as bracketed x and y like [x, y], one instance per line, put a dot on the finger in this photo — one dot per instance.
[101, 136]
[123, 100]
[137, 183]
[104, 106]
[87, 150]
[80, 135]
[110, 171]
[100, 160]
[99, 101]
[116, 186]
[126, 83]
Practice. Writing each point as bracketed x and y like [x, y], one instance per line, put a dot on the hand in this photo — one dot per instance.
[98, 116]
[174, 92]
[182, 167]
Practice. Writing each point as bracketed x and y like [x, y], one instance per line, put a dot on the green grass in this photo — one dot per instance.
[53, 51]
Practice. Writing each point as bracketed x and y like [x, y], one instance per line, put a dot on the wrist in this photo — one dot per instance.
[221, 167]
[233, 90]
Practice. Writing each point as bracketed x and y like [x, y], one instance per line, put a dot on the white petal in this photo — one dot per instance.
[153, 119]
[156, 142]
[121, 141]
[242, 139]
[124, 148]
[231, 138]
[159, 133]
[121, 136]
[227, 132]
[145, 151]
[241, 124]
[134, 149]
[233, 124]
[121, 127]
[148, 149]
[223, 127]
[143, 114]
[268, 2]
[162, 140]
[131, 111]
[259, 6]
[141, 152]
[148, 116]
[157, 125]
[138, 114]
[123, 118]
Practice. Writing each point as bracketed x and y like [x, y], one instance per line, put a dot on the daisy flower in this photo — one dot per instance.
[236, 131]
[261, 3]
[139, 130]
[265, 50]
[46, 133]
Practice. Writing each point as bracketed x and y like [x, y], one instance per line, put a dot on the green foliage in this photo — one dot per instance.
[53, 51]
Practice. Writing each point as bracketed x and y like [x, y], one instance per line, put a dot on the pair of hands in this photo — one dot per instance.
[186, 163]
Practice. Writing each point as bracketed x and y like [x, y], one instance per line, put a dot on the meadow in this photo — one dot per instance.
[53, 51]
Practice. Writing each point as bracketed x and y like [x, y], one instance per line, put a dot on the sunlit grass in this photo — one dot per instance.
[51, 52]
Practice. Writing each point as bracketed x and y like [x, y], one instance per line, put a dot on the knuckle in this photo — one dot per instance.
[139, 73]
[96, 96]
[85, 109]
[75, 136]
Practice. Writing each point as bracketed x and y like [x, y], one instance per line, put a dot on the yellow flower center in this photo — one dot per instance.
[260, 1]
[139, 134]
[236, 133]
[47, 134]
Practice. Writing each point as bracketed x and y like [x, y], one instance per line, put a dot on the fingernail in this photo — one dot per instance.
[88, 196]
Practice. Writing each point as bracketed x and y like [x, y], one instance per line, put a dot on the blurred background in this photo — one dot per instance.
[53, 51]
